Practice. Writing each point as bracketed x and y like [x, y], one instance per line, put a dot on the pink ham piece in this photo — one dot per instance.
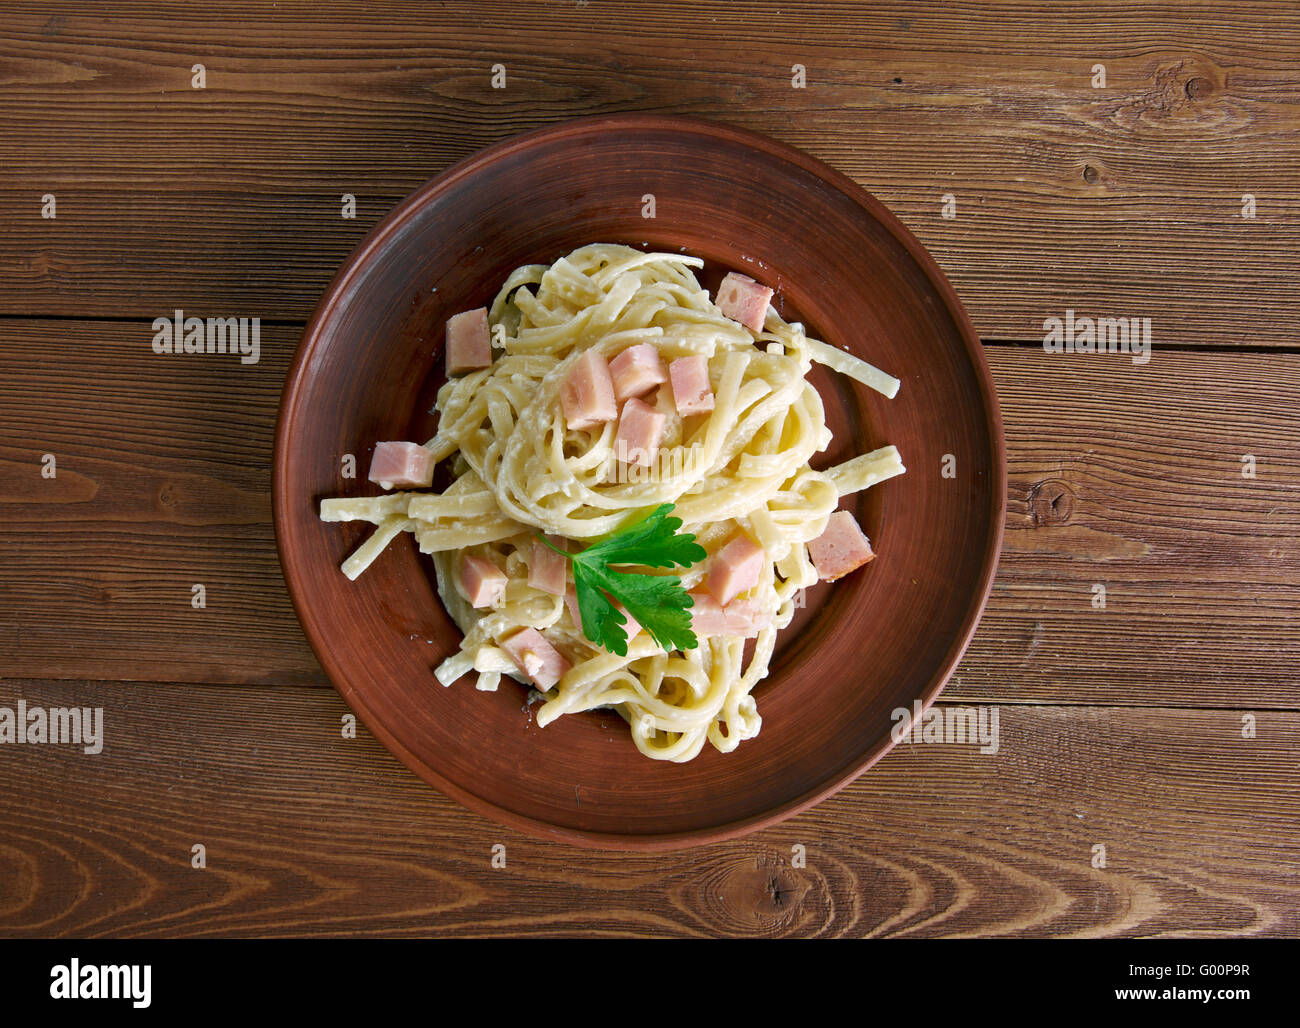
[632, 628]
[401, 465]
[840, 549]
[587, 392]
[738, 618]
[744, 300]
[482, 583]
[536, 657]
[640, 430]
[547, 570]
[734, 568]
[636, 371]
[691, 389]
[469, 341]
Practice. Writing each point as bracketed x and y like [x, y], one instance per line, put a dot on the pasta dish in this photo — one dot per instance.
[630, 516]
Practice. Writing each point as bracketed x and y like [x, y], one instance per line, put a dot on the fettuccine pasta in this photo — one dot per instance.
[738, 471]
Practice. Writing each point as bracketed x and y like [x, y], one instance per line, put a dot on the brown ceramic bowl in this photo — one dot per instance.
[371, 360]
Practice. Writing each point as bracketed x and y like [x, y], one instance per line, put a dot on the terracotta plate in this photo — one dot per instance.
[371, 360]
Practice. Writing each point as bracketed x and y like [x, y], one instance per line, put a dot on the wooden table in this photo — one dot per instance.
[1164, 727]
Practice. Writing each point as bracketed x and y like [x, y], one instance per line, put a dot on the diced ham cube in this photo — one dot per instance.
[547, 570]
[840, 549]
[636, 371]
[632, 628]
[401, 464]
[744, 618]
[640, 430]
[482, 583]
[744, 300]
[738, 618]
[587, 392]
[735, 568]
[707, 618]
[691, 389]
[536, 657]
[469, 341]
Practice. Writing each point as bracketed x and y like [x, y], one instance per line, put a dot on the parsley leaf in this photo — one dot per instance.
[658, 602]
[651, 541]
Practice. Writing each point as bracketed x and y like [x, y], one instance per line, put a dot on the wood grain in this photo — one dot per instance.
[1116, 201]
[162, 482]
[1131, 478]
[164, 471]
[1119, 726]
[308, 833]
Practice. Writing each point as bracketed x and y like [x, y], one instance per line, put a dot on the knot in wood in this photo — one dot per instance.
[754, 895]
[1050, 502]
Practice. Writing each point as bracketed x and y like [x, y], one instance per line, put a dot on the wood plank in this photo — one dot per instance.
[308, 833]
[1131, 478]
[163, 481]
[164, 472]
[1122, 201]
[116, 253]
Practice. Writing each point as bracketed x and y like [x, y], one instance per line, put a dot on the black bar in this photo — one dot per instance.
[569, 976]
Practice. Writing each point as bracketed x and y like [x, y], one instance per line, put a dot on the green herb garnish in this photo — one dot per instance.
[658, 602]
